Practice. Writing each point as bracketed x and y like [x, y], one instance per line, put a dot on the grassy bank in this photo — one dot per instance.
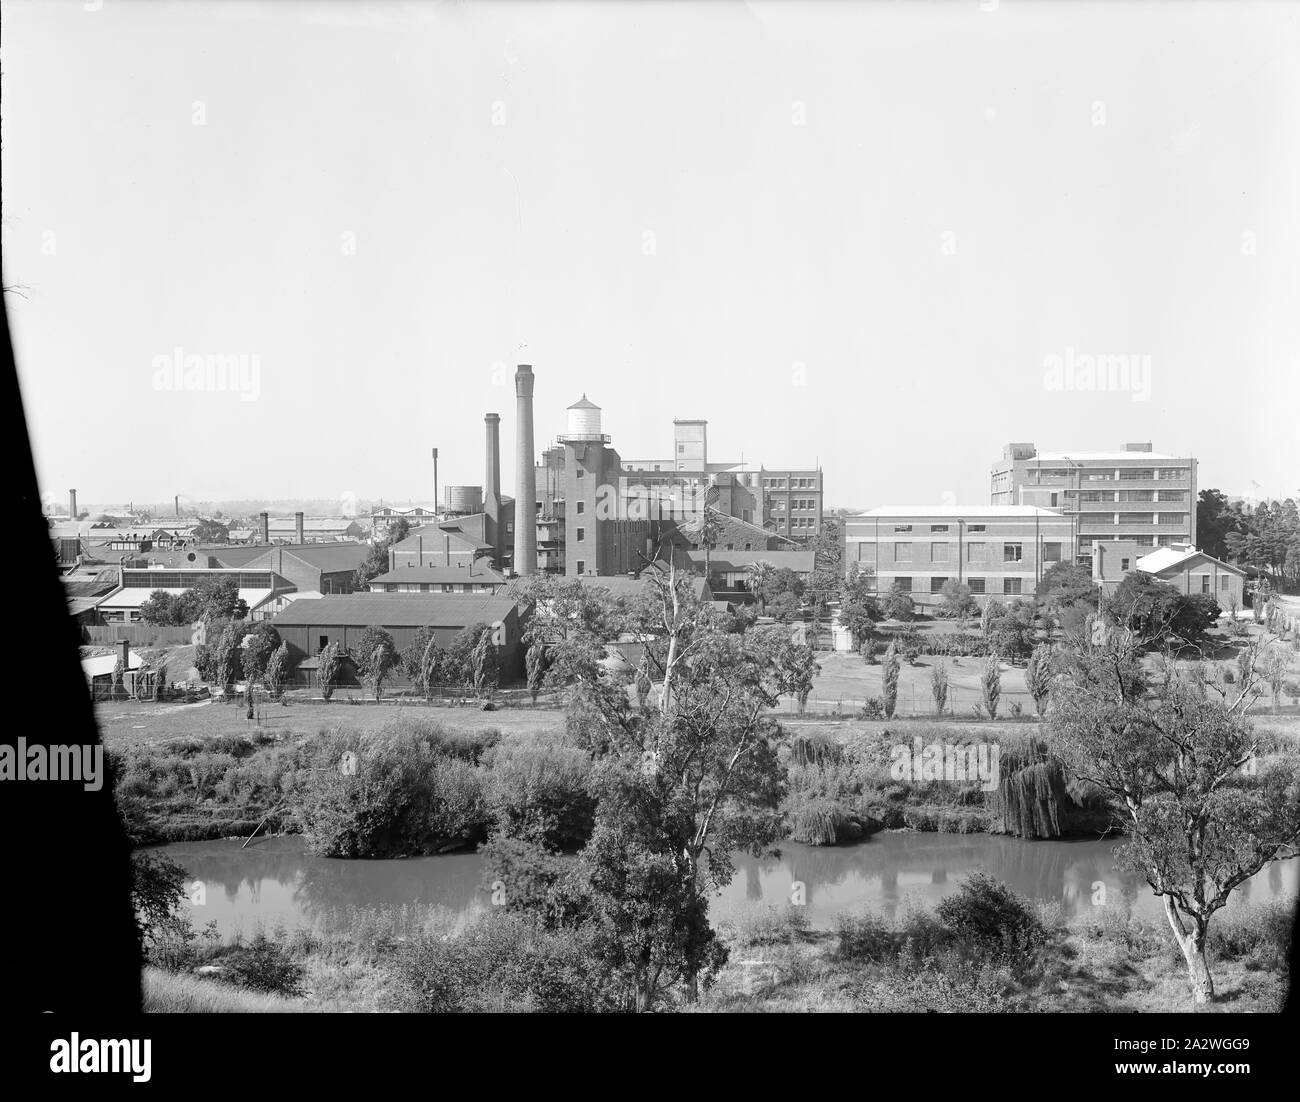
[1103, 962]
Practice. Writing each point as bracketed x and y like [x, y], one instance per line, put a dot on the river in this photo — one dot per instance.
[275, 881]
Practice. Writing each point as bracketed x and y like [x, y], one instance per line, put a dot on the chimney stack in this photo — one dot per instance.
[297, 528]
[492, 485]
[266, 528]
[72, 504]
[525, 480]
[176, 504]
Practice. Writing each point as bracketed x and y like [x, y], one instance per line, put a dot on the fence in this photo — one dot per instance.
[138, 635]
[912, 702]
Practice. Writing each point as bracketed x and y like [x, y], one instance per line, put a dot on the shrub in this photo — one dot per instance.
[865, 938]
[873, 708]
[769, 925]
[263, 965]
[819, 821]
[540, 793]
[985, 913]
[504, 961]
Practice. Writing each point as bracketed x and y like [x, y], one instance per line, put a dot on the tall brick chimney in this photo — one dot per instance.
[492, 484]
[297, 528]
[266, 528]
[525, 480]
[72, 504]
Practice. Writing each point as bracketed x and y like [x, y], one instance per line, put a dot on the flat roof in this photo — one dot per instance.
[1061, 457]
[960, 511]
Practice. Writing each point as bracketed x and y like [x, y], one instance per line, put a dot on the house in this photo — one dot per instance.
[1182, 566]
[309, 626]
[98, 671]
[453, 543]
[729, 570]
[295, 530]
[474, 577]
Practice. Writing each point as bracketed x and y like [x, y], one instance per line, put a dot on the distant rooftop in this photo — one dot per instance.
[960, 511]
[1061, 457]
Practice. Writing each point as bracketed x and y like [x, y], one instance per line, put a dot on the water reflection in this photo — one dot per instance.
[275, 881]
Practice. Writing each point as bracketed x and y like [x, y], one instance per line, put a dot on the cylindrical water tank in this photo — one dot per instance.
[584, 418]
[464, 500]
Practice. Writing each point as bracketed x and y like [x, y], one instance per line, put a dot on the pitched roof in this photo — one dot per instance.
[434, 535]
[398, 610]
[583, 403]
[437, 573]
[1169, 558]
[725, 561]
[620, 585]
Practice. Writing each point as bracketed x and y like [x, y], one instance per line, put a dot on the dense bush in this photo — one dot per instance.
[986, 913]
[504, 962]
[540, 793]
[395, 792]
[264, 965]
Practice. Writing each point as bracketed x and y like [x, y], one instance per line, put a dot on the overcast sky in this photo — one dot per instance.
[853, 234]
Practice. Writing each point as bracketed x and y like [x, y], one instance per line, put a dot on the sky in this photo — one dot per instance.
[882, 238]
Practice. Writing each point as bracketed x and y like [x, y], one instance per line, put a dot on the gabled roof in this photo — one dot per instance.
[434, 535]
[398, 610]
[729, 561]
[1166, 559]
[437, 573]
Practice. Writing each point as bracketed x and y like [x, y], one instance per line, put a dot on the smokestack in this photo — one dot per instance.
[297, 528]
[435, 483]
[72, 504]
[266, 528]
[525, 481]
[492, 484]
[176, 504]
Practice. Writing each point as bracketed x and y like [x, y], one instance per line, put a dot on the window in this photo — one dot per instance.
[580, 473]
[977, 552]
[1010, 585]
[1136, 518]
[510, 527]
[1223, 581]
[938, 552]
[1012, 552]
[938, 528]
[977, 528]
[1172, 518]
[582, 535]
[902, 552]
[1051, 552]
[1171, 473]
[681, 449]
[1173, 495]
[904, 584]
[1133, 474]
[1123, 564]
[1137, 495]
[1090, 495]
[902, 527]
[1205, 583]
[581, 507]
[322, 643]
[976, 584]
[582, 566]
[937, 584]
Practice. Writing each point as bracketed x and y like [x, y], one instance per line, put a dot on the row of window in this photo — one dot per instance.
[976, 552]
[1126, 474]
[1133, 495]
[1010, 586]
[1136, 518]
[941, 527]
[778, 504]
[795, 484]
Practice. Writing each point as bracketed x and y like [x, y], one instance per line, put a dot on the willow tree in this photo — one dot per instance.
[939, 685]
[1202, 816]
[535, 665]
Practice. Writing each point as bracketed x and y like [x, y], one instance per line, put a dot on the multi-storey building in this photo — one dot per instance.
[998, 550]
[792, 502]
[1133, 494]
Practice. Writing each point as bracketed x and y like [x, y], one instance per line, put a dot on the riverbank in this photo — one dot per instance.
[842, 781]
[1102, 962]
